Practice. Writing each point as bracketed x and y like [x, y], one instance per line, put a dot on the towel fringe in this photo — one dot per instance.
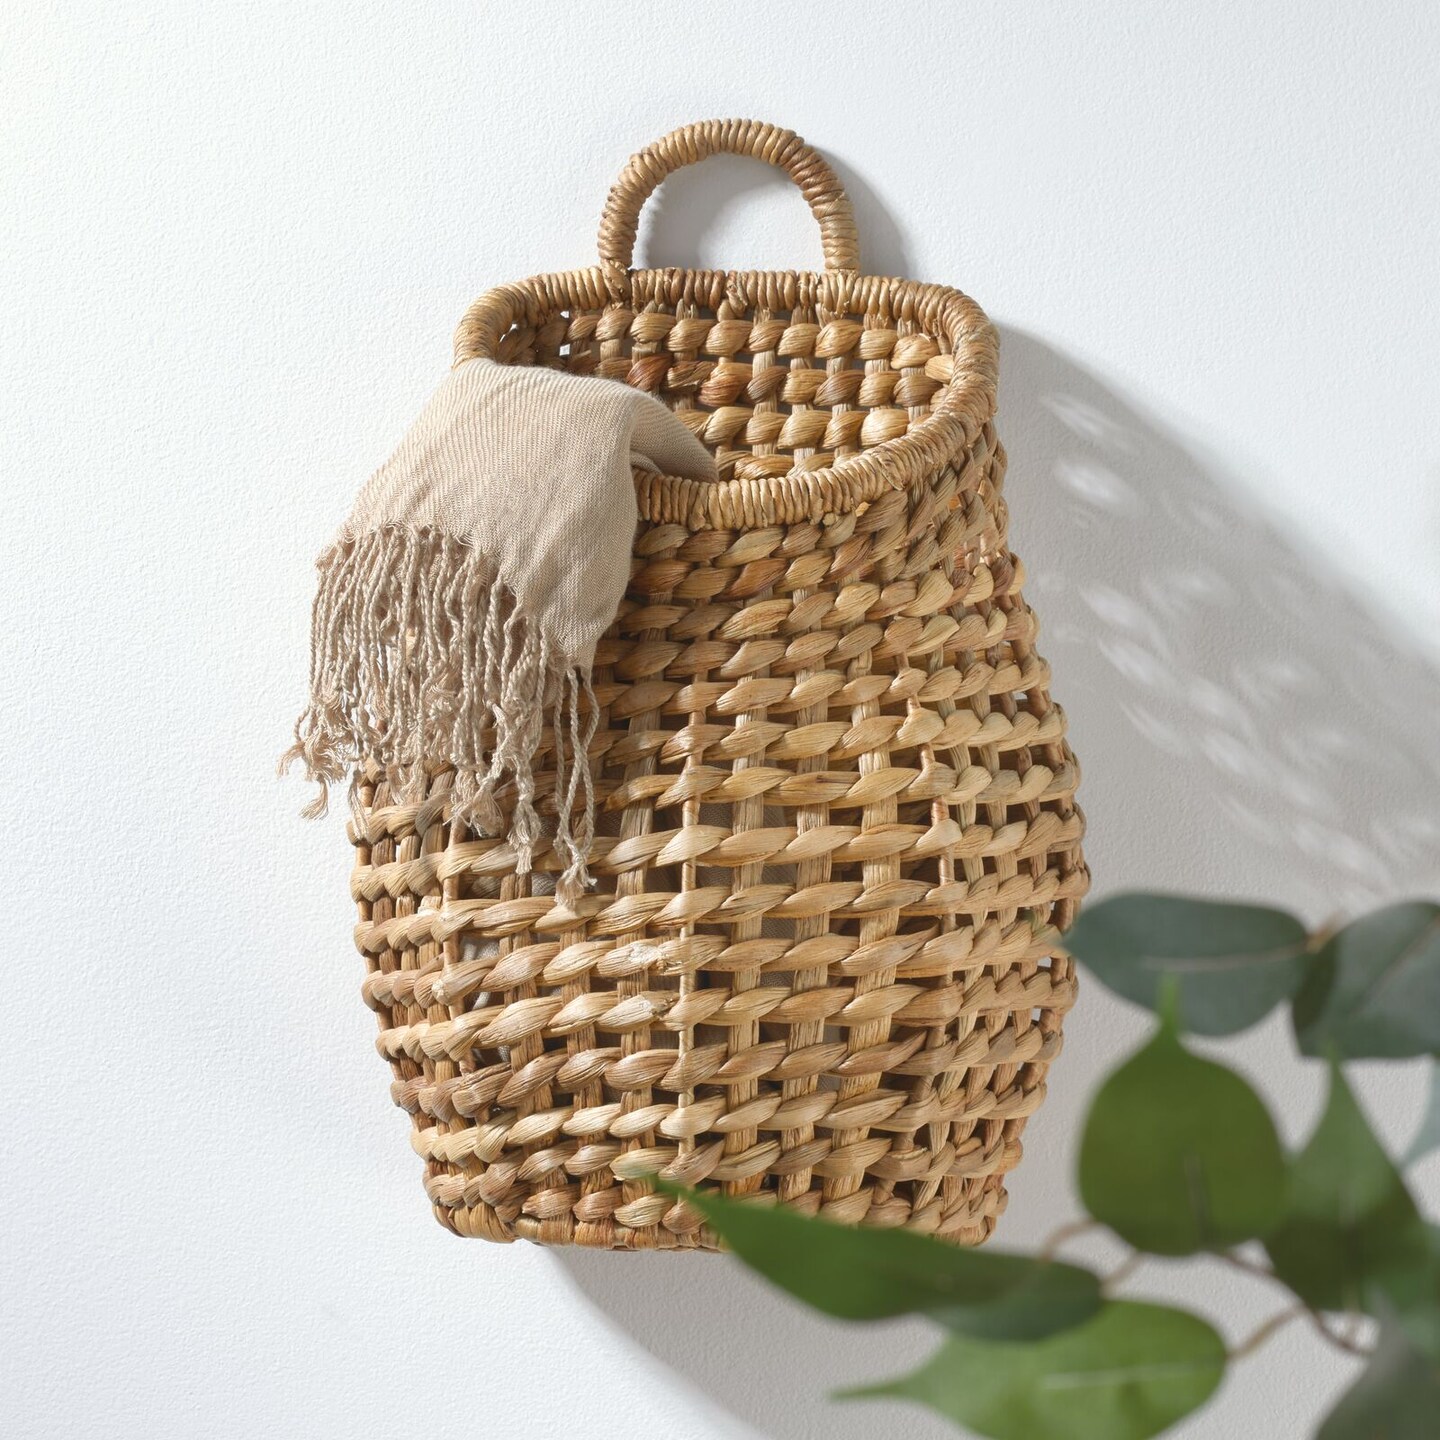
[422, 660]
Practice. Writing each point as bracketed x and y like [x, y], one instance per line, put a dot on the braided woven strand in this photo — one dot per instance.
[837, 841]
[816, 181]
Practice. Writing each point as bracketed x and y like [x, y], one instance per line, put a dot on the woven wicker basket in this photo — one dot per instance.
[838, 839]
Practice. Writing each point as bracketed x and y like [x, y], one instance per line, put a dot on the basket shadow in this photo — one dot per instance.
[1246, 721]
[755, 1353]
[1247, 724]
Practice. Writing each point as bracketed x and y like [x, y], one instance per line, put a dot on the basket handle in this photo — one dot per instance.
[818, 183]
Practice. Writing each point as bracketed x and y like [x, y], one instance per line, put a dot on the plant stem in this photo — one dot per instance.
[1239, 1262]
[1122, 1272]
[1340, 1342]
[1317, 1320]
[1276, 1322]
[1057, 1238]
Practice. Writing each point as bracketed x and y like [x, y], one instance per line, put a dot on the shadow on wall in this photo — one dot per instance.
[1244, 722]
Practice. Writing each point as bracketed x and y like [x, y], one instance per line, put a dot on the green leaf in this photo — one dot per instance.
[1427, 1137]
[1234, 963]
[865, 1273]
[1373, 992]
[1396, 1398]
[1352, 1238]
[1179, 1154]
[1128, 1373]
[1420, 1319]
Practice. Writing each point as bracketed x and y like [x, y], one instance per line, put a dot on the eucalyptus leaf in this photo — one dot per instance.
[1180, 1155]
[1352, 1238]
[1396, 1398]
[866, 1273]
[1420, 1320]
[1373, 992]
[1128, 1373]
[1234, 963]
[1427, 1137]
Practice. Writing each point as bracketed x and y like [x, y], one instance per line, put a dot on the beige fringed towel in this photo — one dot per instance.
[461, 602]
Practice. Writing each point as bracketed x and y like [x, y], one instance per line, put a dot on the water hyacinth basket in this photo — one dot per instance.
[821, 964]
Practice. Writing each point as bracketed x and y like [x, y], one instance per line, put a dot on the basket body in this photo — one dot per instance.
[821, 962]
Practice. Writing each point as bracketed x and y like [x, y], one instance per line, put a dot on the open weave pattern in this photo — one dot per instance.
[821, 962]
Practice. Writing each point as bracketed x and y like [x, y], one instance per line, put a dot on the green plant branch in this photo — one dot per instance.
[1179, 1158]
[1344, 1340]
[1122, 1272]
[1340, 1342]
[1250, 1267]
[1052, 1244]
[1277, 1322]
[1317, 1321]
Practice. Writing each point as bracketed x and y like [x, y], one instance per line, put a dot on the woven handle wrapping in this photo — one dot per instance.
[783, 148]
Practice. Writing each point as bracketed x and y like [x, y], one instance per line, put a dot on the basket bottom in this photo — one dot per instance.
[970, 1222]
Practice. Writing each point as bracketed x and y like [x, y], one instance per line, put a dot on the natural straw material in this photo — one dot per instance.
[837, 843]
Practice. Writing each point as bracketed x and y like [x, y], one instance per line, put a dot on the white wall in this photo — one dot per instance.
[236, 239]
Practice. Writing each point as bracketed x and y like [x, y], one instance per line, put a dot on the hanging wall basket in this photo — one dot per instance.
[838, 837]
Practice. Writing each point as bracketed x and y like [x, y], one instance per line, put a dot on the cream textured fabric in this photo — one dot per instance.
[460, 605]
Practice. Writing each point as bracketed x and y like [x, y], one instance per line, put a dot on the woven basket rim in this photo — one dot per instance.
[959, 410]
